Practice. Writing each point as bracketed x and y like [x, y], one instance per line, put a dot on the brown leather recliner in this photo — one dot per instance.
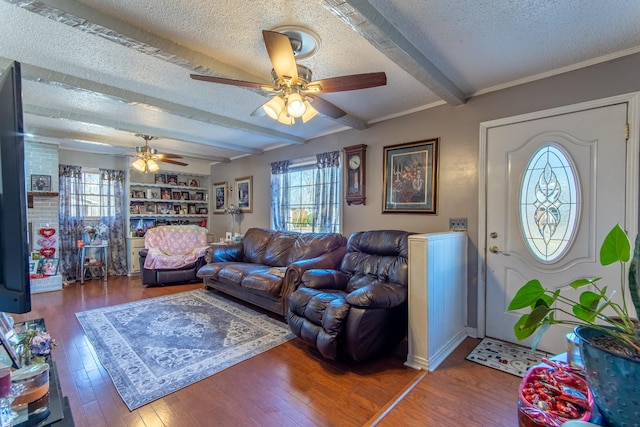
[173, 254]
[360, 311]
[186, 274]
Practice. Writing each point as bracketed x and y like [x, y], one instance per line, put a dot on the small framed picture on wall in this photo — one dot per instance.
[244, 192]
[40, 182]
[219, 197]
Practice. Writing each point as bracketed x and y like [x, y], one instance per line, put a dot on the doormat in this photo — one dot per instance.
[156, 346]
[506, 357]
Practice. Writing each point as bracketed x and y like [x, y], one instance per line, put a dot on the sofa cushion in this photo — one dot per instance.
[211, 269]
[255, 243]
[233, 273]
[263, 283]
[311, 245]
[279, 247]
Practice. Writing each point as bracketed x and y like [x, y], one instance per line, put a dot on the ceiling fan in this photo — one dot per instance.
[147, 157]
[293, 85]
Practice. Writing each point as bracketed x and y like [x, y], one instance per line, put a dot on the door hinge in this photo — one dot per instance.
[626, 132]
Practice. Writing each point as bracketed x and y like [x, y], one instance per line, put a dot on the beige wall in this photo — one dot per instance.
[458, 130]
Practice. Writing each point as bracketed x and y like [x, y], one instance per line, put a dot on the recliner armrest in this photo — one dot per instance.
[325, 279]
[143, 253]
[329, 260]
[378, 295]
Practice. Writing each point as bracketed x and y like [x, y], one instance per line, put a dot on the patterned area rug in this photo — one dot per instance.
[153, 347]
[503, 356]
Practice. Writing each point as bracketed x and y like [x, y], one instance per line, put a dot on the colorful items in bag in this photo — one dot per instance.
[551, 395]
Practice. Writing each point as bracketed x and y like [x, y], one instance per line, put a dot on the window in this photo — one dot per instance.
[96, 200]
[305, 194]
[549, 196]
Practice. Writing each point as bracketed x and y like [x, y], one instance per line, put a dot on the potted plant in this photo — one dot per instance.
[609, 343]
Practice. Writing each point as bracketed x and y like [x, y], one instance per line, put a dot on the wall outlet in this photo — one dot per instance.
[457, 224]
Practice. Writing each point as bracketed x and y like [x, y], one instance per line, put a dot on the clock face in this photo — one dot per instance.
[354, 162]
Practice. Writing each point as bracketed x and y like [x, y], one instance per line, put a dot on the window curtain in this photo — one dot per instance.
[71, 218]
[280, 194]
[327, 195]
[112, 203]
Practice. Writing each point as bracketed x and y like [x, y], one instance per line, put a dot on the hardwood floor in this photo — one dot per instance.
[290, 385]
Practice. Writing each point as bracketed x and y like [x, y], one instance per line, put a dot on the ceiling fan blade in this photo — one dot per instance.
[326, 108]
[174, 162]
[168, 156]
[232, 82]
[281, 55]
[352, 82]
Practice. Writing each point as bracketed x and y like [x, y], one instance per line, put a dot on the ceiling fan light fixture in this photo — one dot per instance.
[295, 105]
[274, 107]
[285, 118]
[152, 166]
[139, 165]
[309, 113]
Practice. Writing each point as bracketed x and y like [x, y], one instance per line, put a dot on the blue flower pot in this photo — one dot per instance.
[614, 381]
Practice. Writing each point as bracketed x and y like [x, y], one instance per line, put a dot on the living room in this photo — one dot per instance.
[458, 180]
[458, 186]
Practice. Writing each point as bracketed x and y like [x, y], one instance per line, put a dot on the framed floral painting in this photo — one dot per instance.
[410, 177]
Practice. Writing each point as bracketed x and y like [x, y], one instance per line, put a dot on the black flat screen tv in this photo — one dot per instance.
[15, 288]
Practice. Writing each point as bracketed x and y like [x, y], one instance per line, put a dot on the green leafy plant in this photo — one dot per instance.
[545, 304]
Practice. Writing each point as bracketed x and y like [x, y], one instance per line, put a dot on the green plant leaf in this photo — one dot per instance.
[590, 299]
[550, 300]
[537, 315]
[616, 247]
[578, 283]
[584, 313]
[527, 295]
[519, 330]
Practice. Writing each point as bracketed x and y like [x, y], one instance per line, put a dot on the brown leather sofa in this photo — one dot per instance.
[267, 265]
[360, 310]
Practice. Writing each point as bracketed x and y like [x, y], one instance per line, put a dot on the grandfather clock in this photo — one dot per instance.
[355, 171]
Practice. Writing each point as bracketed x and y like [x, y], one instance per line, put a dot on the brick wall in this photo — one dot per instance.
[42, 159]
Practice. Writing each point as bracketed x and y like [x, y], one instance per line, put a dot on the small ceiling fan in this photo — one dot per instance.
[147, 157]
[293, 85]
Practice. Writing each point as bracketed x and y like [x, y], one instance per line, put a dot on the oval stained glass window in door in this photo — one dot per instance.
[549, 201]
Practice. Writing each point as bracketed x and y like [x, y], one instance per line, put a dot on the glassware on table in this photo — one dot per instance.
[8, 393]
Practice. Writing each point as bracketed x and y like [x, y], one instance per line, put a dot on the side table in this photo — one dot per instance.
[101, 265]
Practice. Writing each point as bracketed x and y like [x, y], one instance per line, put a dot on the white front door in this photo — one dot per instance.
[560, 180]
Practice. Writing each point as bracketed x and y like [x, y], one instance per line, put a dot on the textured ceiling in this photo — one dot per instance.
[103, 70]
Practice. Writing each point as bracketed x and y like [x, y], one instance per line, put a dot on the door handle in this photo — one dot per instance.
[494, 249]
